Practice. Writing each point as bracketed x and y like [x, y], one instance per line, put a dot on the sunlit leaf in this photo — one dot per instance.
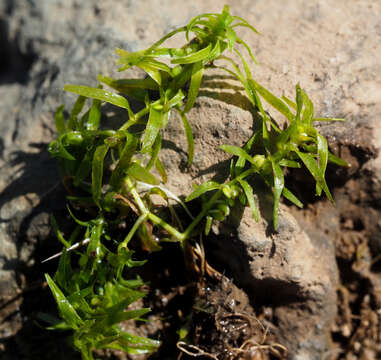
[174, 101]
[65, 308]
[100, 94]
[291, 197]
[203, 188]
[152, 71]
[308, 112]
[140, 173]
[289, 102]
[336, 160]
[248, 190]
[289, 163]
[274, 101]
[152, 129]
[299, 102]
[60, 120]
[235, 150]
[155, 152]
[193, 57]
[94, 115]
[314, 169]
[278, 189]
[322, 147]
[161, 170]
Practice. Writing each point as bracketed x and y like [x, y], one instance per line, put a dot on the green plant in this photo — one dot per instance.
[103, 170]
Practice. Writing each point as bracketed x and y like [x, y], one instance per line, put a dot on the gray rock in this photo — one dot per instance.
[287, 270]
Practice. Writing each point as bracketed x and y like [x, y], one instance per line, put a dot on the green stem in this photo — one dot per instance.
[160, 222]
[139, 202]
[186, 234]
[132, 231]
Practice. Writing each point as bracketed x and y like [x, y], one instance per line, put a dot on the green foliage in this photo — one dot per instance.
[104, 170]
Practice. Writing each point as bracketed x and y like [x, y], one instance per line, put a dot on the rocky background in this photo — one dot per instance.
[320, 275]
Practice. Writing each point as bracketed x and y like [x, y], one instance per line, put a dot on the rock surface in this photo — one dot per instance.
[332, 48]
[286, 269]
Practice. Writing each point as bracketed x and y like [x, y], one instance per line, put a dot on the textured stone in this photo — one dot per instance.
[285, 269]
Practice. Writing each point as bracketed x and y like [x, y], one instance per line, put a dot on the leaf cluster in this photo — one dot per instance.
[113, 173]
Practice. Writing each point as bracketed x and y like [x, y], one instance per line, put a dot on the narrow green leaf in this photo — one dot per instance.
[94, 115]
[203, 188]
[240, 41]
[240, 164]
[291, 197]
[79, 222]
[57, 232]
[244, 23]
[100, 94]
[60, 120]
[72, 123]
[274, 101]
[174, 101]
[155, 152]
[122, 85]
[56, 149]
[140, 173]
[235, 150]
[289, 163]
[216, 52]
[66, 310]
[134, 88]
[133, 344]
[149, 242]
[289, 102]
[161, 170]
[151, 71]
[231, 37]
[308, 111]
[336, 160]
[97, 172]
[322, 147]
[152, 129]
[124, 160]
[248, 190]
[278, 189]
[64, 272]
[193, 57]
[197, 72]
[208, 225]
[117, 317]
[157, 65]
[94, 247]
[299, 102]
[313, 168]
